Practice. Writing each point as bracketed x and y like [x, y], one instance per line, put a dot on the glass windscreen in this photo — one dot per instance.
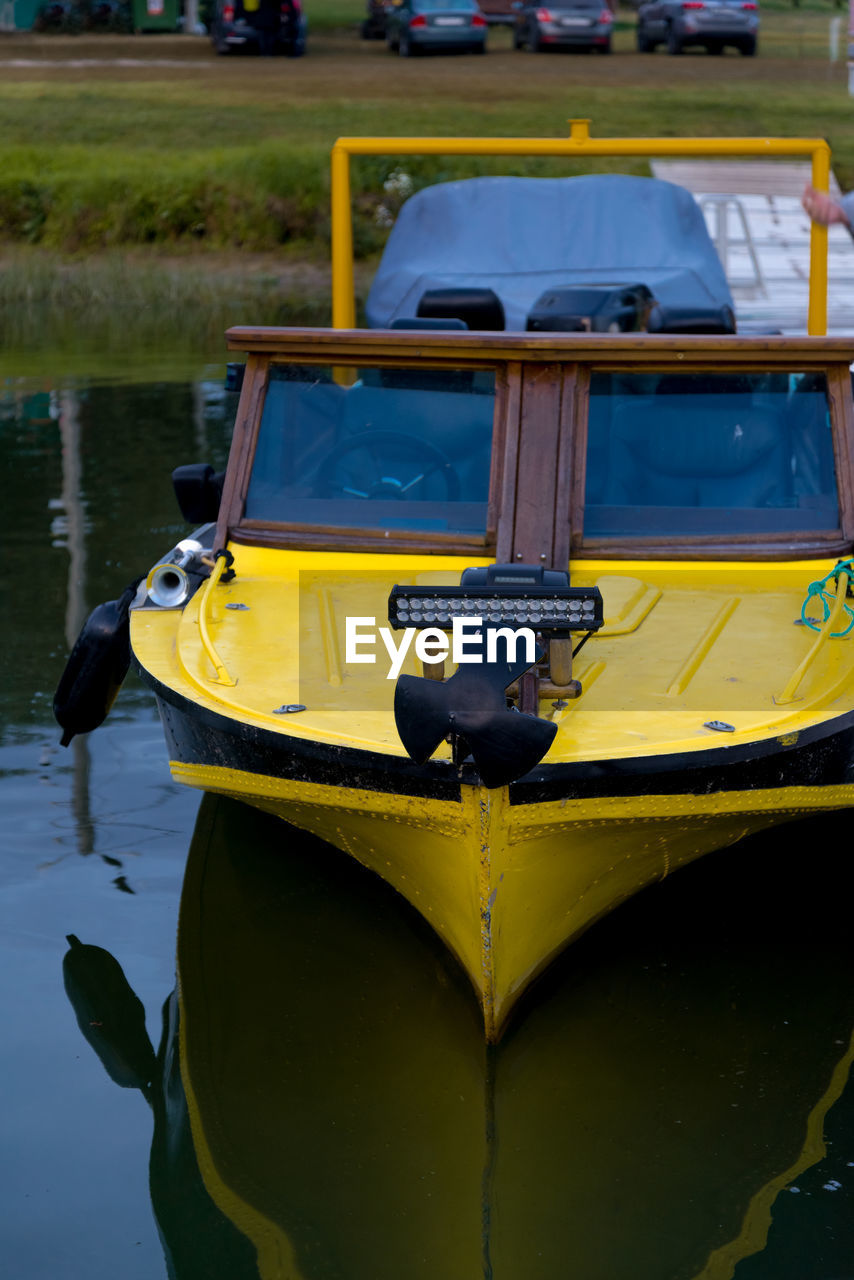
[438, 6]
[709, 454]
[386, 449]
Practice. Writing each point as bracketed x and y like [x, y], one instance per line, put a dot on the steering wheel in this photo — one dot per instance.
[384, 465]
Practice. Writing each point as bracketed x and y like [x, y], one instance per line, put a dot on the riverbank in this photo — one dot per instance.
[148, 187]
[110, 303]
[129, 141]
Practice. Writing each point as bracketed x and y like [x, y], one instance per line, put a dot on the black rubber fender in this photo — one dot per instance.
[96, 668]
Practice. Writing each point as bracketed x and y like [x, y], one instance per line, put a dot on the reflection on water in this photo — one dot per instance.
[88, 504]
[313, 1098]
[647, 1114]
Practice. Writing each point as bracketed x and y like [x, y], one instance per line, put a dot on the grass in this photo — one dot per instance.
[123, 181]
[50, 300]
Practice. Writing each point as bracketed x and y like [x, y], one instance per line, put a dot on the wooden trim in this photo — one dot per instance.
[578, 460]
[758, 551]
[733, 540]
[576, 380]
[773, 547]
[725, 360]
[842, 418]
[641, 350]
[539, 446]
[243, 439]
[287, 537]
[509, 462]
[497, 458]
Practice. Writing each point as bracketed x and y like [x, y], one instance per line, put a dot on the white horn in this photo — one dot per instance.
[168, 585]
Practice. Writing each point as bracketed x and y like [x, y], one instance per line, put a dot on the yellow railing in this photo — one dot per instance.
[222, 676]
[579, 143]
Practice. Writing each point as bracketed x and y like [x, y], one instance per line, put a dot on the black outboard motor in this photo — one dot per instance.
[96, 667]
[597, 308]
[477, 308]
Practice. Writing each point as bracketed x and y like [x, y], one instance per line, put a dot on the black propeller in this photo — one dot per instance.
[471, 707]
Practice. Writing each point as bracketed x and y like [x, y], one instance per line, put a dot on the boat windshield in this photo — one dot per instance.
[399, 449]
[709, 454]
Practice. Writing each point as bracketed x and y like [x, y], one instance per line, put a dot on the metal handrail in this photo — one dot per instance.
[722, 241]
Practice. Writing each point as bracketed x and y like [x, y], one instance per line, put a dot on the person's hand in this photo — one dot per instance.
[821, 207]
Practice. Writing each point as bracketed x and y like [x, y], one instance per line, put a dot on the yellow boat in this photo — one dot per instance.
[703, 713]
[670, 502]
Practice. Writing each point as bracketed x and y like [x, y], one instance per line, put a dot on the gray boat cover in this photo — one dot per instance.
[521, 236]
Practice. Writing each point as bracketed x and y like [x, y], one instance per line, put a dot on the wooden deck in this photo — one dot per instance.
[754, 215]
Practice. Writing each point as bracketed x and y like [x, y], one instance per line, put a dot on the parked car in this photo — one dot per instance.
[713, 24]
[58, 15]
[265, 26]
[572, 24]
[106, 15]
[499, 13]
[416, 25]
[373, 26]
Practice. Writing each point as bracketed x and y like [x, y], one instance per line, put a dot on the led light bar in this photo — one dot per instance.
[545, 609]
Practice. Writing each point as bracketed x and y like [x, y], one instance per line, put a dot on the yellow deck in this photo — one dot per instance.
[683, 643]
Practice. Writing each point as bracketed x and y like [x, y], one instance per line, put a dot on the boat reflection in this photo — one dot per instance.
[324, 1104]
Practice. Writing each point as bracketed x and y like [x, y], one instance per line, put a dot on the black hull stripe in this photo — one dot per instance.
[822, 756]
[196, 735]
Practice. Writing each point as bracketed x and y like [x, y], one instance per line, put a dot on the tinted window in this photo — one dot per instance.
[711, 454]
[374, 449]
[429, 6]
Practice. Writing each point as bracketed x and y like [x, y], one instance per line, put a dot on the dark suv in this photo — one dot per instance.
[713, 24]
[259, 26]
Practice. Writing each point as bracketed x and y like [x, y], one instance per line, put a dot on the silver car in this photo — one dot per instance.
[569, 24]
[413, 26]
[712, 24]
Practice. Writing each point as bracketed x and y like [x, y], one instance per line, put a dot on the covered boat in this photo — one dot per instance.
[546, 253]
[690, 490]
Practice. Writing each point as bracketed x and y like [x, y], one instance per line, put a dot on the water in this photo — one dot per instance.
[672, 1101]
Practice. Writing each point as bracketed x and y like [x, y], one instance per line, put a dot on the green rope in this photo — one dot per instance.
[828, 600]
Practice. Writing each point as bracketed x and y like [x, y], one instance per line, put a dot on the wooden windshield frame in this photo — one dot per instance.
[536, 500]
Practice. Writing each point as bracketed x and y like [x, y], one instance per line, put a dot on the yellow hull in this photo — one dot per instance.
[508, 886]
[635, 784]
